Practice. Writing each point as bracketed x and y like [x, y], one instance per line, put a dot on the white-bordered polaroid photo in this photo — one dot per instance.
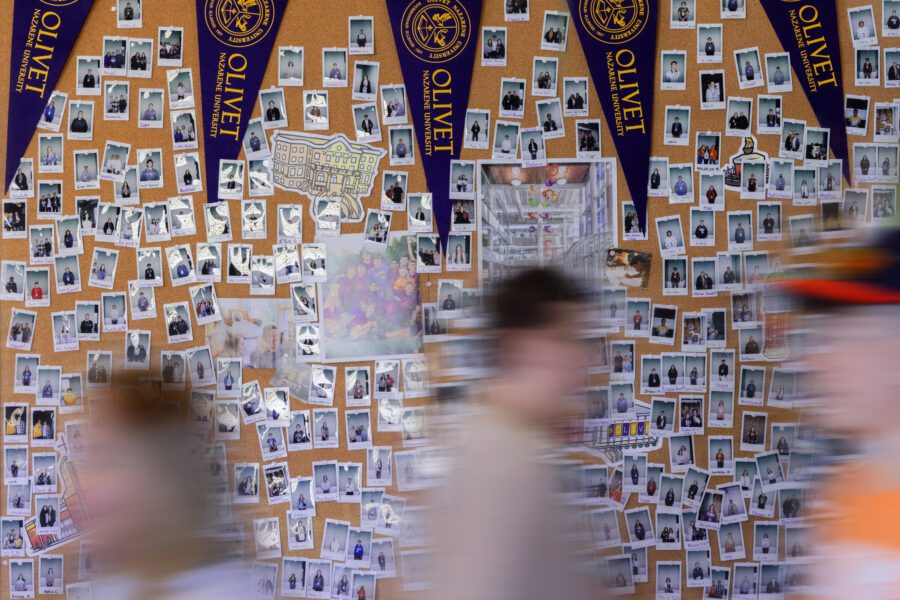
[752, 382]
[361, 35]
[103, 268]
[140, 57]
[393, 186]
[884, 203]
[673, 75]
[99, 369]
[115, 158]
[709, 43]
[402, 145]
[187, 173]
[115, 317]
[575, 92]
[41, 244]
[419, 213]
[712, 90]
[588, 138]
[506, 141]
[768, 117]
[658, 179]
[768, 219]
[749, 68]
[287, 263]
[670, 235]
[703, 227]
[50, 153]
[631, 229]
[246, 478]
[459, 252]
[544, 76]
[149, 163]
[393, 104]
[477, 129]
[550, 116]
[315, 110]
[334, 67]
[142, 300]
[377, 229]
[815, 146]
[137, 350]
[534, 152]
[65, 337]
[12, 274]
[169, 45]
[681, 182]
[886, 122]
[662, 324]
[88, 77]
[862, 26]
[512, 98]
[51, 118]
[81, 125]
[708, 145]
[38, 281]
[867, 67]
[180, 84]
[114, 50]
[684, 14]
[677, 126]
[753, 180]
[555, 30]
[753, 431]
[739, 113]
[493, 46]
[262, 275]
[231, 179]
[290, 66]
[87, 169]
[779, 77]
[150, 108]
[856, 114]
[368, 127]
[273, 107]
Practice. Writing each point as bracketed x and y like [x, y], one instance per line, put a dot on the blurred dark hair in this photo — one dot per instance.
[529, 299]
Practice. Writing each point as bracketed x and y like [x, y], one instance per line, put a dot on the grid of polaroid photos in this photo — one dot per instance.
[295, 319]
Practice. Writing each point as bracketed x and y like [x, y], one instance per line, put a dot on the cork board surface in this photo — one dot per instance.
[307, 24]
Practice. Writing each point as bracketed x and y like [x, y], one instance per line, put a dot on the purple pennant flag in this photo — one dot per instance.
[808, 30]
[436, 41]
[619, 42]
[235, 38]
[43, 34]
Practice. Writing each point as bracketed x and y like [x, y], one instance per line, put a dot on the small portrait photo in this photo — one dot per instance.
[114, 316]
[830, 180]
[449, 298]
[721, 402]
[753, 180]
[709, 43]
[675, 277]
[462, 186]
[678, 126]
[88, 76]
[575, 92]
[402, 146]
[890, 14]
[740, 231]
[662, 412]
[187, 173]
[365, 80]
[129, 14]
[862, 26]
[778, 73]
[184, 136]
[169, 43]
[393, 186]
[674, 65]
[816, 146]
[631, 228]
[753, 431]
[315, 110]
[361, 35]
[782, 179]
[115, 158]
[140, 57]
[662, 324]
[393, 104]
[637, 317]
[892, 66]
[368, 128]
[640, 525]
[290, 65]
[377, 230]
[721, 455]
[668, 580]
[765, 543]
[690, 411]
[712, 90]
[181, 88]
[658, 181]
[885, 122]
[681, 181]
[477, 129]
[52, 116]
[856, 114]
[752, 378]
[48, 381]
[707, 148]
[768, 218]
[516, 10]
[555, 30]
[13, 276]
[551, 119]
[64, 336]
[21, 572]
[739, 112]
[670, 235]
[506, 141]
[150, 168]
[884, 204]
[459, 252]
[114, 52]
[150, 108]
[81, 123]
[231, 179]
[50, 151]
[493, 46]
[731, 547]
[544, 76]
[512, 98]
[334, 67]
[684, 15]
[749, 68]
[855, 207]
[588, 144]
[681, 453]
[867, 67]
[272, 104]
[534, 153]
[703, 227]
[14, 219]
[768, 117]
[87, 170]
[38, 281]
[865, 157]
[419, 212]
[116, 100]
[137, 350]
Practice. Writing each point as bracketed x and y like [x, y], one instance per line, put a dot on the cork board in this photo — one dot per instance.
[317, 29]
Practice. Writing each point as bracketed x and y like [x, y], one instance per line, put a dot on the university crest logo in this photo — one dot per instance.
[435, 31]
[613, 21]
[239, 23]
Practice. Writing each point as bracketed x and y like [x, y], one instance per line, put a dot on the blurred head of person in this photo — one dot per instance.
[539, 351]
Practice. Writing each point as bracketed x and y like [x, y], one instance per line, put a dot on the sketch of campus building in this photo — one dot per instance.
[326, 166]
